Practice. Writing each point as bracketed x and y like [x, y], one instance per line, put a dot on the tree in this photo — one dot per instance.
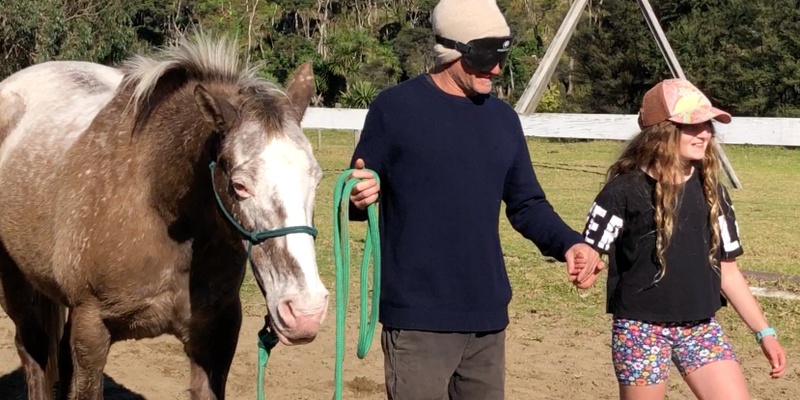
[616, 58]
[741, 53]
[414, 49]
[35, 31]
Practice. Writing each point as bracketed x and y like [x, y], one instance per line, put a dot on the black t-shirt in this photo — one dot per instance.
[621, 224]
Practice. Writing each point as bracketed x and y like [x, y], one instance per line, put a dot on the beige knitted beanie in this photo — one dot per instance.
[465, 20]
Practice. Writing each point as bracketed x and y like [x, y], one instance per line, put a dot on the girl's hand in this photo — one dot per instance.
[581, 262]
[775, 355]
[590, 281]
[578, 266]
[583, 265]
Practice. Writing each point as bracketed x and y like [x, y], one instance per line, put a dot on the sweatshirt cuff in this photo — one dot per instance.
[570, 239]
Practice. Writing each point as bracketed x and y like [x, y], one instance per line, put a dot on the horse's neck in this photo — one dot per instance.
[172, 149]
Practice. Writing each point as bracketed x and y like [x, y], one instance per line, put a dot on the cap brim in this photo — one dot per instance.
[702, 115]
[720, 116]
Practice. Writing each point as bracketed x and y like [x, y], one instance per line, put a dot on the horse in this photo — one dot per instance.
[134, 196]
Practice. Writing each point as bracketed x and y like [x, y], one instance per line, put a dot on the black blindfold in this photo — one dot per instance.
[481, 54]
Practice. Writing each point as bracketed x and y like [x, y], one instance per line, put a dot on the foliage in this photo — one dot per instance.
[550, 101]
[414, 49]
[35, 31]
[359, 95]
[617, 58]
[741, 52]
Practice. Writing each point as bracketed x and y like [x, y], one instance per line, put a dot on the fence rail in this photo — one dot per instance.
[742, 130]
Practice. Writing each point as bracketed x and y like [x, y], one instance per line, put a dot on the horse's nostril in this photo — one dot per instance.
[286, 314]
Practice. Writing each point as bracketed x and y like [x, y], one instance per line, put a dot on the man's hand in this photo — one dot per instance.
[583, 265]
[365, 192]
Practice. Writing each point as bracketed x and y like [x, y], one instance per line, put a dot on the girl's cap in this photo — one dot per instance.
[679, 101]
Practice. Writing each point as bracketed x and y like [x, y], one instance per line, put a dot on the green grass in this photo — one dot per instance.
[571, 173]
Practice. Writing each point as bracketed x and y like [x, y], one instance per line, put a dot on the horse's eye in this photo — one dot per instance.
[240, 188]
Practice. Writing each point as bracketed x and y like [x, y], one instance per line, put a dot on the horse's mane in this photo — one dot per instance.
[203, 59]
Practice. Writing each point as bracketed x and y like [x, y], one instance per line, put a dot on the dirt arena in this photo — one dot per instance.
[547, 358]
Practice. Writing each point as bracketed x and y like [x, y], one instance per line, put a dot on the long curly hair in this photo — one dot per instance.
[656, 150]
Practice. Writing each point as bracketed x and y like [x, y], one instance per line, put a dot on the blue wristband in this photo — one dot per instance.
[766, 332]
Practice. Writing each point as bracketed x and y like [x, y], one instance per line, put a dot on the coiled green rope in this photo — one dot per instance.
[341, 255]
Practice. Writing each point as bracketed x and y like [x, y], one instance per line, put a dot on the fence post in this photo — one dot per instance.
[319, 139]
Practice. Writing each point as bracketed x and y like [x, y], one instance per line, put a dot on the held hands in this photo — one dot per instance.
[583, 265]
[775, 355]
[365, 192]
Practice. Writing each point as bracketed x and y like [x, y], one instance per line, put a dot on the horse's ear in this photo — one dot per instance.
[219, 113]
[301, 88]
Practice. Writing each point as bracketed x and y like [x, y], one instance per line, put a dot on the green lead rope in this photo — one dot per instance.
[341, 255]
[267, 339]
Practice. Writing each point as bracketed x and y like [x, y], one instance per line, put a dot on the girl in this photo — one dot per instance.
[670, 231]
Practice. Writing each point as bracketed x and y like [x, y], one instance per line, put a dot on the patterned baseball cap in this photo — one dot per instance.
[677, 100]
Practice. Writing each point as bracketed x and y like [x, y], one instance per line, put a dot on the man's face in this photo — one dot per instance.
[481, 60]
[473, 81]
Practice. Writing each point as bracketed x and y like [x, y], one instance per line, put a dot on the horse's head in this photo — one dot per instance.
[265, 176]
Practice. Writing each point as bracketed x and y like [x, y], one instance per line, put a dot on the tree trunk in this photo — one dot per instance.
[569, 76]
[322, 8]
[250, 29]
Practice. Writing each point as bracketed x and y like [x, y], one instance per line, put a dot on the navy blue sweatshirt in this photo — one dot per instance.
[445, 164]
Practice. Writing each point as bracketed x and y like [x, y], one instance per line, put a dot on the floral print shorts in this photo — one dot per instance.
[641, 351]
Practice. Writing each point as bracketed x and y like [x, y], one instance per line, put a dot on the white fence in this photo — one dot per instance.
[742, 130]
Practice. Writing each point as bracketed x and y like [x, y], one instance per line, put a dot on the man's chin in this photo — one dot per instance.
[483, 86]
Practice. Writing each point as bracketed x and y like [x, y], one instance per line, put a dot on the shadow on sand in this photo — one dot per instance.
[12, 387]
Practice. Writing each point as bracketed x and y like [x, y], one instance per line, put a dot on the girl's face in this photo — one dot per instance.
[694, 141]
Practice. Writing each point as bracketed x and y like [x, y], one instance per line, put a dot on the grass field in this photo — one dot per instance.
[571, 173]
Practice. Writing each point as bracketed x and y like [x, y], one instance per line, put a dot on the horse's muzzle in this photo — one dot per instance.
[300, 318]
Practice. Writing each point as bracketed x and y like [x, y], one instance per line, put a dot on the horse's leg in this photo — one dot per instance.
[65, 369]
[212, 344]
[38, 321]
[89, 342]
[38, 355]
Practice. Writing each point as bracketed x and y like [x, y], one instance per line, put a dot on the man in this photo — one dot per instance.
[447, 153]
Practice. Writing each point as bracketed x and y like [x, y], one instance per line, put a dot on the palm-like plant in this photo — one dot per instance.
[359, 95]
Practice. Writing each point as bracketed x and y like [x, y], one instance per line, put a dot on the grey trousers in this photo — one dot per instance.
[443, 366]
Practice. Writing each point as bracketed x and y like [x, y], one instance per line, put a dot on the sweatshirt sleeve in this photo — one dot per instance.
[529, 211]
[371, 147]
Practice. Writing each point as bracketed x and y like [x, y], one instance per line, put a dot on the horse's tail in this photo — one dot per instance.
[52, 317]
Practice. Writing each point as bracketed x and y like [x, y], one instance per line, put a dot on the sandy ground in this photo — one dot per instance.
[547, 358]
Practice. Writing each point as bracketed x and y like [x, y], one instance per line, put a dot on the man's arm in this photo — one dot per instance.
[369, 153]
[533, 216]
[529, 211]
